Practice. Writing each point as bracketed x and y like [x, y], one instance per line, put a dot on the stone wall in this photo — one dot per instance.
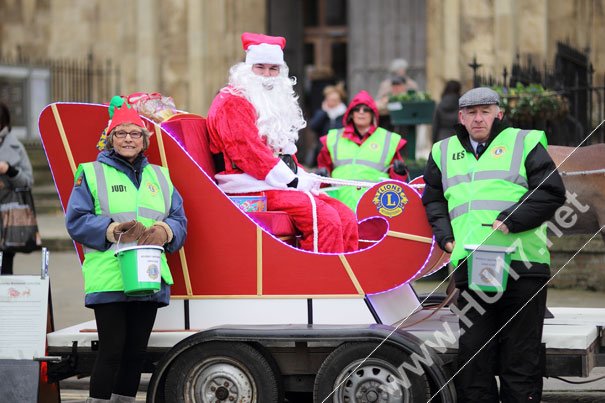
[585, 271]
[496, 30]
[182, 48]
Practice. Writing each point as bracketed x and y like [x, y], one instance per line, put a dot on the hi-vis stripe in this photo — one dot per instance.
[497, 205]
[513, 175]
[380, 165]
[128, 216]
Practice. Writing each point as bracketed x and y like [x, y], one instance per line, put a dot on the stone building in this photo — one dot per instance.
[183, 48]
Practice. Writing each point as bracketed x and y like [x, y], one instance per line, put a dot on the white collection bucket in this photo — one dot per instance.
[141, 269]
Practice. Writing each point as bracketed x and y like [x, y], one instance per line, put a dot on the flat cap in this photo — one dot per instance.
[479, 96]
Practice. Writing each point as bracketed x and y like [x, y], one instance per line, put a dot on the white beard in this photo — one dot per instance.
[279, 117]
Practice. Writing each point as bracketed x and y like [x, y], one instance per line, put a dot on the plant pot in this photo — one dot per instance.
[411, 113]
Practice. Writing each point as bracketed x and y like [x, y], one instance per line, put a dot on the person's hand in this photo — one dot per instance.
[323, 171]
[400, 168]
[500, 226]
[154, 235]
[4, 167]
[128, 231]
[308, 182]
[449, 246]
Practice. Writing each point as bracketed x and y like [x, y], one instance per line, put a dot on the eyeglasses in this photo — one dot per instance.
[135, 135]
[362, 109]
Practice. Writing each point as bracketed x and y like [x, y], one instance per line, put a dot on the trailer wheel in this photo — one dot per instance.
[376, 380]
[221, 372]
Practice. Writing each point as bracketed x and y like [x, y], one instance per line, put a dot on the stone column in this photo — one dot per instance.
[147, 63]
[533, 30]
[506, 35]
[196, 46]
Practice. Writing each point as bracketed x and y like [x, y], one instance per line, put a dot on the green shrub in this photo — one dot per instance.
[527, 103]
[410, 96]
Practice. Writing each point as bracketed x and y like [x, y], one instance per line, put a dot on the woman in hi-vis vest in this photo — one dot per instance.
[361, 151]
[121, 201]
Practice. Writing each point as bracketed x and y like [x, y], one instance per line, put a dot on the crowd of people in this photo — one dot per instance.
[253, 127]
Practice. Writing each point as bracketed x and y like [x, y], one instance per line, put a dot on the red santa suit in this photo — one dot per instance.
[252, 166]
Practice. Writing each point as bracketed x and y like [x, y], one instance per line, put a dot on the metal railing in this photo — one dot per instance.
[75, 80]
[571, 76]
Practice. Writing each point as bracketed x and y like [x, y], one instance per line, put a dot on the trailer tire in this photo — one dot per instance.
[376, 380]
[221, 371]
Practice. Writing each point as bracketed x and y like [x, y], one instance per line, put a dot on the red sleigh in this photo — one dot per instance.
[230, 254]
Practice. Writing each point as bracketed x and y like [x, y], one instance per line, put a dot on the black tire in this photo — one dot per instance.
[221, 371]
[376, 380]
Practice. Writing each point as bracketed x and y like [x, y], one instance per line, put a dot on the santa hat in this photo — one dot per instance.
[122, 113]
[263, 48]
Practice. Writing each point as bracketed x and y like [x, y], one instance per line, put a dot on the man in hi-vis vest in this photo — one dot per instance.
[361, 151]
[489, 190]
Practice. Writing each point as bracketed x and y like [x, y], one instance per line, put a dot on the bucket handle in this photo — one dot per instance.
[118, 242]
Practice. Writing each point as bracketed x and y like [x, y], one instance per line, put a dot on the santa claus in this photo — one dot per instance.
[253, 124]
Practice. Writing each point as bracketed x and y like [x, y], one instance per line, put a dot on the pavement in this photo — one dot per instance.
[68, 307]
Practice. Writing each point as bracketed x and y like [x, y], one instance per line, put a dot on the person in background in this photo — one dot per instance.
[328, 117]
[495, 186]
[145, 209]
[397, 69]
[398, 87]
[253, 126]
[361, 150]
[446, 113]
[15, 170]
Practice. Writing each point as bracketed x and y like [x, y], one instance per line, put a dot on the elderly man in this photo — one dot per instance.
[253, 125]
[495, 186]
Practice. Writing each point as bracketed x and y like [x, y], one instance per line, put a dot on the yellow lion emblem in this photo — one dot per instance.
[390, 200]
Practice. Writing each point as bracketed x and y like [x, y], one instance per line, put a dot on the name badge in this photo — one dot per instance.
[488, 267]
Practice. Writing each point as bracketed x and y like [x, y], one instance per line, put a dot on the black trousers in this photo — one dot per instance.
[124, 329]
[515, 354]
[7, 262]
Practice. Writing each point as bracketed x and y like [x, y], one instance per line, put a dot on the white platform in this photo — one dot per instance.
[570, 329]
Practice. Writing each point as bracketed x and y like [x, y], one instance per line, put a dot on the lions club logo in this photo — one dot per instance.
[153, 271]
[499, 151]
[152, 188]
[390, 200]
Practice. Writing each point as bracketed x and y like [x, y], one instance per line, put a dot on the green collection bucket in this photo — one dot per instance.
[140, 266]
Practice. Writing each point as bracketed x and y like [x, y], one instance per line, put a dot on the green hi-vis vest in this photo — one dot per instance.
[477, 191]
[365, 162]
[115, 196]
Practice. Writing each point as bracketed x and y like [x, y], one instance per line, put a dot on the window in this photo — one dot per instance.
[325, 36]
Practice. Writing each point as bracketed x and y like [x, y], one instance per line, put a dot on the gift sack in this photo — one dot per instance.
[154, 106]
[18, 217]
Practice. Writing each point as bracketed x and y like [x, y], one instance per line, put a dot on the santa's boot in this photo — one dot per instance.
[122, 399]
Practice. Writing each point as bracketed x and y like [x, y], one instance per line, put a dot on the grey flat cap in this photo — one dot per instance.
[479, 96]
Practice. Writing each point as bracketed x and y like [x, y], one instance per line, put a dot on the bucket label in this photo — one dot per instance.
[148, 265]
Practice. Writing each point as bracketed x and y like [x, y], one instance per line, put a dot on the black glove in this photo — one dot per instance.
[323, 171]
[128, 231]
[400, 168]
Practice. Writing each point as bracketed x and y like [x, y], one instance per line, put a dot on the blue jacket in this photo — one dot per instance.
[89, 229]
